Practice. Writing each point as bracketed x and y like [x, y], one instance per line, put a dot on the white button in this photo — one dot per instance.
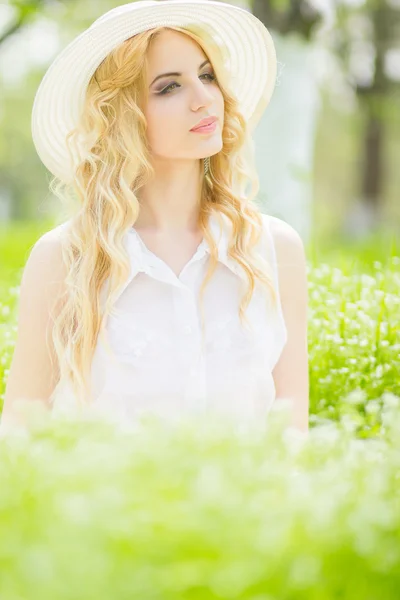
[188, 329]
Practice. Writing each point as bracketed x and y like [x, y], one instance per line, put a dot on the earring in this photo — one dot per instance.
[206, 165]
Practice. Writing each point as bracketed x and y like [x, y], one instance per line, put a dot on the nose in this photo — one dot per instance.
[203, 96]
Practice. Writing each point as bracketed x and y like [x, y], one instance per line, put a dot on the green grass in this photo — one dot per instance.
[201, 510]
[16, 242]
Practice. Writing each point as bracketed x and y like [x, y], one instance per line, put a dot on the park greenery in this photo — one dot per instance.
[203, 509]
[209, 509]
[356, 139]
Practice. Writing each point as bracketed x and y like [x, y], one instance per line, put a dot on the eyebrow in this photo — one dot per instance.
[176, 74]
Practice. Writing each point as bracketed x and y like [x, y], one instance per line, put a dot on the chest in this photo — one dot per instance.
[155, 353]
[158, 326]
[174, 251]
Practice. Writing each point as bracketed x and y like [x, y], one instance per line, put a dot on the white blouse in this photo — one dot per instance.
[155, 361]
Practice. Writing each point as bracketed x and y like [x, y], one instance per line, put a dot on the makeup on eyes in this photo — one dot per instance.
[164, 90]
[176, 74]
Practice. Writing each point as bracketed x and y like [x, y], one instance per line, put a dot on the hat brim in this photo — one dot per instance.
[60, 96]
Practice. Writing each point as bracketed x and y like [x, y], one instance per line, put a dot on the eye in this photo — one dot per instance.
[170, 86]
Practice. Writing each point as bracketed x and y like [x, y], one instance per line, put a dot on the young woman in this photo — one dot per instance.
[165, 290]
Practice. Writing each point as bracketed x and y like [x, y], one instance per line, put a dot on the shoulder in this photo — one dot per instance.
[282, 232]
[49, 245]
[52, 239]
[45, 264]
[55, 235]
[291, 261]
[288, 244]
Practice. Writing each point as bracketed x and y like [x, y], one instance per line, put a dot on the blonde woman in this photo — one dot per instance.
[165, 290]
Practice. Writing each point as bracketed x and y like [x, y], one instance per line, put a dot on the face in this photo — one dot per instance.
[177, 103]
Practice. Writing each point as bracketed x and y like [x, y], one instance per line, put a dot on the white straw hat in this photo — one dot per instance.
[60, 96]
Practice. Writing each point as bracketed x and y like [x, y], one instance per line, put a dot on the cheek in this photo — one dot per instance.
[164, 120]
[220, 100]
[220, 94]
[219, 103]
[163, 110]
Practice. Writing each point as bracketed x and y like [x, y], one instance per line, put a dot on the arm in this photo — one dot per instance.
[291, 373]
[33, 375]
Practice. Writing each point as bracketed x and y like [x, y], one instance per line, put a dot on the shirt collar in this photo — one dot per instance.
[143, 261]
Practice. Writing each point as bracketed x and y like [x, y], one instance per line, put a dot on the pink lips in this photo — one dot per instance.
[206, 128]
[205, 123]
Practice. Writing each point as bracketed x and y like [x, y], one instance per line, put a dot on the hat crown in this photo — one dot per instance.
[124, 8]
[60, 98]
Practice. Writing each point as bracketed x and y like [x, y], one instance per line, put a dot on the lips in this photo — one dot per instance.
[203, 122]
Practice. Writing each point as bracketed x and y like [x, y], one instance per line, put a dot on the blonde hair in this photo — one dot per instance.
[105, 183]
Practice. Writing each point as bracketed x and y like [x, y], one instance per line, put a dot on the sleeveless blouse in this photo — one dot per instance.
[152, 358]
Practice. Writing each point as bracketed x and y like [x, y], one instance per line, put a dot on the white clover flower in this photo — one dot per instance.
[367, 280]
[331, 301]
[349, 423]
[372, 407]
[362, 316]
[387, 418]
[355, 397]
[390, 400]
[390, 299]
[5, 311]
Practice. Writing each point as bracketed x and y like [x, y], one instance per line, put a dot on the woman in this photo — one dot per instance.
[166, 290]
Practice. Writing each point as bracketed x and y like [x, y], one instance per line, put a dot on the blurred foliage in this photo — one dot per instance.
[348, 30]
[354, 340]
[200, 510]
[16, 242]
[210, 511]
[24, 12]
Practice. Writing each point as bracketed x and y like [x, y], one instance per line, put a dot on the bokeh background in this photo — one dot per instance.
[203, 514]
[327, 151]
[328, 144]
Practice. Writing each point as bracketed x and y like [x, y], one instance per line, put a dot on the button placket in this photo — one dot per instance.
[187, 314]
[200, 252]
[196, 394]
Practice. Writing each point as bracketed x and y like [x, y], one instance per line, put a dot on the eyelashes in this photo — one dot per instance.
[170, 86]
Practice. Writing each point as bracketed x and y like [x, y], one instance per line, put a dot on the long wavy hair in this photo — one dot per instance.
[102, 198]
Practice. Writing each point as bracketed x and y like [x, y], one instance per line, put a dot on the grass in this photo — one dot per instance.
[200, 510]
